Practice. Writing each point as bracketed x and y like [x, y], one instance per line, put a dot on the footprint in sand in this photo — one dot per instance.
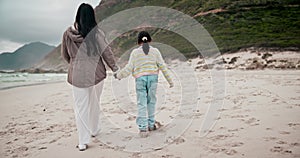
[2, 133]
[127, 138]
[20, 150]
[42, 148]
[222, 127]
[220, 137]
[176, 141]
[233, 130]
[231, 152]
[295, 144]
[96, 141]
[284, 132]
[270, 138]
[239, 116]
[179, 140]
[217, 150]
[221, 110]
[130, 118]
[237, 107]
[235, 144]
[28, 141]
[53, 141]
[226, 151]
[275, 100]
[68, 110]
[118, 148]
[279, 149]
[293, 124]
[128, 127]
[252, 121]
[136, 155]
[167, 156]
[281, 142]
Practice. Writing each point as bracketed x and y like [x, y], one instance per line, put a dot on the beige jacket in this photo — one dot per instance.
[86, 70]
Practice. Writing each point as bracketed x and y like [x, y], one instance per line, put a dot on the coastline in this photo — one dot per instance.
[31, 84]
[18, 79]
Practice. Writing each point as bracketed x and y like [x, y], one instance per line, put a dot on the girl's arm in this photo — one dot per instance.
[162, 66]
[127, 70]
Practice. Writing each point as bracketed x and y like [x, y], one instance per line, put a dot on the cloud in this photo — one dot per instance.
[8, 46]
[35, 20]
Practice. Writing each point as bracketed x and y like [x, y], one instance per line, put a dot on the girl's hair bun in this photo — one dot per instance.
[144, 39]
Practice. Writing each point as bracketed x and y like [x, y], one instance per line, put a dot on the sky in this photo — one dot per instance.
[26, 21]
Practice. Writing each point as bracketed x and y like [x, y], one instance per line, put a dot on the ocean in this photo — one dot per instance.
[12, 80]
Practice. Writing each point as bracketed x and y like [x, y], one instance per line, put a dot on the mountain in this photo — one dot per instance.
[24, 57]
[233, 24]
[53, 61]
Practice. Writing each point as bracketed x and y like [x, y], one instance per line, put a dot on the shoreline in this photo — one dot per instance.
[279, 71]
[34, 71]
[30, 84]
[13, 80]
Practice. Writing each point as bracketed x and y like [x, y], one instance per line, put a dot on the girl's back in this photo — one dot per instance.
[145, 60]
[142, 63]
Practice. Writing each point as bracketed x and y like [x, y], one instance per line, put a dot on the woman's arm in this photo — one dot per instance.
[107, 53]
[64, 50]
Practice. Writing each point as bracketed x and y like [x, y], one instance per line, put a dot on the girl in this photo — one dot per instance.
[144, 64]
[83, 47]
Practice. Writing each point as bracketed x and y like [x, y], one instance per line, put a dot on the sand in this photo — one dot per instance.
[259, 118]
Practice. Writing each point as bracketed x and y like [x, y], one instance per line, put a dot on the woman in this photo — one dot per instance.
[83, 47]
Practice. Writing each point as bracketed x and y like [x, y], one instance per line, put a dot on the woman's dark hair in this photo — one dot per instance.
[85, 19]
[86, 22]
[144, 38]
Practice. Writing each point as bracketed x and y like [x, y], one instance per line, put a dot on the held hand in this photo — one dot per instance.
[115, 75]
[116, 69]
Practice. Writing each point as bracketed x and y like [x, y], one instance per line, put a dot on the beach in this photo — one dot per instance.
[259, 118]
[232, 89]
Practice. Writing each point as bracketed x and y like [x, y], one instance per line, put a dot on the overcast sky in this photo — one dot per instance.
[25, 21]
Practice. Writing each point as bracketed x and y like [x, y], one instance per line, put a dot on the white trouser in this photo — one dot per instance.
[87, 111]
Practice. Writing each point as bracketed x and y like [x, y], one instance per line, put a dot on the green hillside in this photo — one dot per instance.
[236, 24]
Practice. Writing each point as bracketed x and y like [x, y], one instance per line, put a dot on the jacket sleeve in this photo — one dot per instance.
[64, 50]
[106, 51]
[164, 69]
[127, 70]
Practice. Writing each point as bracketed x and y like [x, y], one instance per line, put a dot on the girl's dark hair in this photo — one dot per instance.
[86, 22]
[144, 38]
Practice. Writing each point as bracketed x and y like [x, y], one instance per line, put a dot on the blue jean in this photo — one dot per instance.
[146, 99]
